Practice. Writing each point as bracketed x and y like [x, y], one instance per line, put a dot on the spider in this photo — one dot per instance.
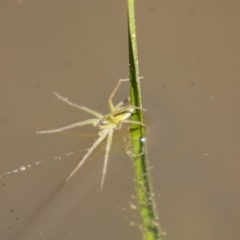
[106, 124]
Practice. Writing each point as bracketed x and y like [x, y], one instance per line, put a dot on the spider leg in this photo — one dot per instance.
[102, 135]
[111, 106]
[134, 122]
[94, 113]
[135, 107]
[108, 146]
[122, 103]
[93, 121]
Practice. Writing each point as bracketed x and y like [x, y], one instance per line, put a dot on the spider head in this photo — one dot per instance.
[104, 123]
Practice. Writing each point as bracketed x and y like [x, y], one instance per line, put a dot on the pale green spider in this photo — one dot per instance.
[106, 124]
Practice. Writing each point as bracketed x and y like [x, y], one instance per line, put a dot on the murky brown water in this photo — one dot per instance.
[189, 56]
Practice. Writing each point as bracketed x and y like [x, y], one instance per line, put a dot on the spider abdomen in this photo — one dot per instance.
[114, 118]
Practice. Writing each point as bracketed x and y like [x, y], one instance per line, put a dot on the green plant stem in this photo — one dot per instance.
[148, 213]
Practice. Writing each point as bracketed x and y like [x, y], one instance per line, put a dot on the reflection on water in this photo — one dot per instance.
[189, 58]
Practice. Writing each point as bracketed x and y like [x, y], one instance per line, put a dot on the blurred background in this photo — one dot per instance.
[189, 56]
